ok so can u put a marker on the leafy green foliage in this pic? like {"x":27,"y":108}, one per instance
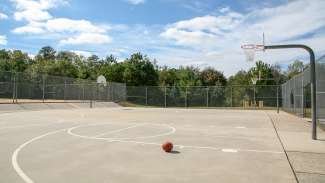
{"x":137,"y":70}
{"x":295,"y":68}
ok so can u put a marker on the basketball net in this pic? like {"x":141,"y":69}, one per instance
{"x":250,"y":49}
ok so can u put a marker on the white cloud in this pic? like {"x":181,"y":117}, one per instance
{"x":183,"y":37}
{"x":69,"y":31}
{"x":3,"y":16}
{"x":82,"y":53}
{"x":136,"y":2}
{"x":32,"y":15}
{"x":3,"y":40}
{"x":69,"y":25}
{"x":31,"y":28}
{"x":30,"y":10}
{"x":216,"y":40}
{"x":204,"y":31}
{"x":87,"y":38}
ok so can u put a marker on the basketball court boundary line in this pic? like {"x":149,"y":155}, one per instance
{"x":69,"y":131}
{"x":14,"y":157}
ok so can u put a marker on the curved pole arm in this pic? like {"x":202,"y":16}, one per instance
{"x":312,"y":80}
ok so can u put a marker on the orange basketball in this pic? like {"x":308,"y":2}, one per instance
{"x":167,"y":146}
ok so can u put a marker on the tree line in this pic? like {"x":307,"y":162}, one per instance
{"x":137,"y":70}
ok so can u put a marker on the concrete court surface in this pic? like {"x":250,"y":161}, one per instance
{"x":123,"y":145}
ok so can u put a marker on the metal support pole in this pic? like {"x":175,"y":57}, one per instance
{"x":146,"y":95}
{"x":14,"y":89}
{"x":277,"y":99}
{"x":65,"y":90}
{"x":83,"y":91}
{"x":207,"y":96}
{"x":165,"y":96}
{"x":43,"y":89}
{"x":16,"y":93}
{"x":231,"y":96}
{"x":91,"y":97}
{"x":186,"y":105}
{"x":302,"y":98}
{"x":254,"y":97}
{"x":294,"y":95}
{"x":312,"y":81}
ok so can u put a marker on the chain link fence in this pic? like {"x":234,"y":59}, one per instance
{"x":28,"y":88}
{"x":257,"y":97}
{"x":296,"y":92}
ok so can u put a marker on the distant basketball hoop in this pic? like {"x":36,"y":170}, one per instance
{"x":250,"y":50}
{"x":102,"y":80}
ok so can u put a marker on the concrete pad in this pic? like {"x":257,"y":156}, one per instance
{"x":34,"y":106}
{"x":59,"y":106}
{"x":10,"y":107}
{"x":308,"y":162}
{"x":307,"y":156}
{"x":117,"y":145}
{"x":310,"y":178}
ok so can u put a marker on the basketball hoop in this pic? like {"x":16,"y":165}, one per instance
{"x":254,"y":80}
{"x":101,"y":80}
{"x":250,"y":49}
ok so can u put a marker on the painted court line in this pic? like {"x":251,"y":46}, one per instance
{"x":172,"y":130}
{"x":14,"y":157}
{"x":119,"y":130}
{"x":69,"y":131}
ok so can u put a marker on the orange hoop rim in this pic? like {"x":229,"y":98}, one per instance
{"x":255,"y":47}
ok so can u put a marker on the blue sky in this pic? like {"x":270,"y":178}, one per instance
{"x":174,"y":32}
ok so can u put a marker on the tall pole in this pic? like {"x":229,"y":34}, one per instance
{"x":65,"y":89}
{"x":255,"y":96}
{"x":14,"y":88}
{"x":165,"y":96}
{"x":146,"y":95}
{"x":231,"y":96}
{"x":207,"y":96}
{"x":43,"y":88}
{"x":312,"y":80}
{"x":302,"y":98}
{"x":186,"y":105}
{"x":277,"y":98}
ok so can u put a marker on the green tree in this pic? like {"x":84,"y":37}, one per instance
{"x":46,"y":53}
{"x":139,"y":70}
{"x":212,"y":77}
{"x":168,"y":77}
{"x":5,"y":60}
{"x":295,"y":68}
{"x":262,"y":71}
{"x":19,"y":60}
{"x":189,"y":76}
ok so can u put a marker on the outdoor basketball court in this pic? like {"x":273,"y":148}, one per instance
{"x":124,"y":145}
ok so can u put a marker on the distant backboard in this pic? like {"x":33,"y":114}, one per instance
{"x":101,"y":80}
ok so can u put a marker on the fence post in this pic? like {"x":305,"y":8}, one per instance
{"x":65,"y":89}
{"x":165,"y":96}
{"x":83,"y":91}
{"x":43,"y":88}
{"x":146,"y":95}
{"x":255,"y":96}
{"x":186,"y":105}
{"x":231,"y":96}
{"x":302,"y":97}
{"x":277,"y":99}
{"x":14,"y":88}
{"x":91,"y":97}
{"x":207,"y":96}
{"x":294,"y":95}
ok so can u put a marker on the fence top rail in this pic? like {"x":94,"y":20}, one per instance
{"x":205,"y":86}
{"x":39,"y":77}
